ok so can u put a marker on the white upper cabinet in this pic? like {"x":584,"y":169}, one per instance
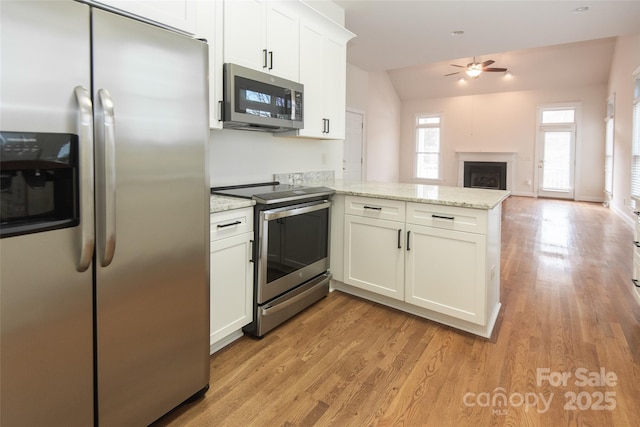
{"x":177,"y":14}
{"x":209,"y":27}
{"x":263,"y":35}
{"x":323,"y":52}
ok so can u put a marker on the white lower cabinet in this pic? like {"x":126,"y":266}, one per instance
{"x":445,"y":272}
{"x":440,"y":262}
{"x":374,"y":257}
{"x":231,"y":277}
{"x":635,"y":279}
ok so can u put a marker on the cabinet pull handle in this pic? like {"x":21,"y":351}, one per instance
{"x":635,"y":283}
{"x":408,"y":241}
{"x":220,"y":111}
{"x":264,"y":51}
{"x":251,"y":252}
{"x":635,"y":242}
{"x":399,"y":233}
{"x":450,"y":218}
{"x":373,"y":208}
{"x":229,"y":224}
{"x":328,"y":126}
{"x":271,"y":60}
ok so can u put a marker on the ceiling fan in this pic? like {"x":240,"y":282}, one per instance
{"x":475,"y":68}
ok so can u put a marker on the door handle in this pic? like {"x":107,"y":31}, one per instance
{"x":108,"y":157}
{"x":85,"y":137}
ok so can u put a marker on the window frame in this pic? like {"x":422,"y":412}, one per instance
{"x":634,"y":189}
{"x":419,"y":126}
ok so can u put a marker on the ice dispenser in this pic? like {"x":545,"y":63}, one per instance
{"x":38,"y":182}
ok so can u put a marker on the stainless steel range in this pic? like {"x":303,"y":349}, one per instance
{"x":291,"y":249}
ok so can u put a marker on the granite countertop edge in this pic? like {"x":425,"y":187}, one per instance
{"x":218,"y":203}
{"x":473,"y":198}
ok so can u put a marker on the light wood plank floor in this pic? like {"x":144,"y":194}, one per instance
{"x":567,"y":307}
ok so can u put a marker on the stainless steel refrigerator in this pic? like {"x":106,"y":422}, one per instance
{"x":104,"y":306}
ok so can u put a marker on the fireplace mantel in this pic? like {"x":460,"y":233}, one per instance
{"x":487,"y":156}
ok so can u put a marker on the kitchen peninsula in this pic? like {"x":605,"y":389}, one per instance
{"x":432,"y":251}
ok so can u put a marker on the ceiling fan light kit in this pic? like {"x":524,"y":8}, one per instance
{"x":475,"y":68}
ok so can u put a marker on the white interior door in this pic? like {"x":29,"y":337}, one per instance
{"x":354,"y":139}
{"x":556,"y":162}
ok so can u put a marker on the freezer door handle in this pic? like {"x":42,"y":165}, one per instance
{"x":109,"y":168}
{"x":85,"y":136}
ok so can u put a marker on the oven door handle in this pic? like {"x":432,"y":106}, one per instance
{"x":295,"y":210}
{"x":294,"y":299}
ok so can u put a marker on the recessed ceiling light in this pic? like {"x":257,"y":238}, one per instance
{"x":457,"y":33}
{"x":581,"y":9}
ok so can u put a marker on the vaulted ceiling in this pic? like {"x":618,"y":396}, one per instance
{"x":545,"y":44}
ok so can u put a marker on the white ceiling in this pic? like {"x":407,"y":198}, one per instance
{"x":544,"y":43}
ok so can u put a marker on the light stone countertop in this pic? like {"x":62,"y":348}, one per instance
{"x":218,"y":203}
{"x":475,"y":198}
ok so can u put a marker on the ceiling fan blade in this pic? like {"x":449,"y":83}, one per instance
{"x":451,"y":74}
{"x":494,"y":69}
{"x":487,"y":62}
{"x":461,"y":66}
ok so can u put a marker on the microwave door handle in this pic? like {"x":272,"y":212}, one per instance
{"x":109,"y":159}
{"x":85,"y":137}
{"x":293,"y":105}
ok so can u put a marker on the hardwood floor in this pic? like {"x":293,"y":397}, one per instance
{"x":567,"y":308}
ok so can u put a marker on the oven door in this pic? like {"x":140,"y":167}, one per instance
{"x":294,"y":247}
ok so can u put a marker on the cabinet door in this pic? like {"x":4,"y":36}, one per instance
{"x":335,"y":76}
{"x":374,"y":255}
{"x":445,"y":272}
{"x":231,"y":286}
{"x":311,"y":76}
{"x":178,"y":14}
{"x":244,"y":33}
{"x":283,"y":41}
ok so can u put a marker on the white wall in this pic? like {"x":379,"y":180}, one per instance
{"x":357,"y":88}
{"x":382,"y":142}
{"x":506,"y":121}
{"x":238,"y":157}
{"x":626,"y":60}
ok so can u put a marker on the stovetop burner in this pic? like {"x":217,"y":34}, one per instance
{"x":273,"y":192}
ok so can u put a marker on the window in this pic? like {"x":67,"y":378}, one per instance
{"x":428,"y":144}
{"x":635,"y":140}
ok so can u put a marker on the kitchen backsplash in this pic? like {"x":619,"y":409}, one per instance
{"x":302,"y":177}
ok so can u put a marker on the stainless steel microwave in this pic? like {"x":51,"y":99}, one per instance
{"x":253,"y":100}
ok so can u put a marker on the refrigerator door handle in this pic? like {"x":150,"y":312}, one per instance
{"x":85,"y":136}
{"x":109,"y":158}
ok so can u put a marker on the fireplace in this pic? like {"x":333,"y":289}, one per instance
{"x":492,"y":175}
{"x":506,"y":160}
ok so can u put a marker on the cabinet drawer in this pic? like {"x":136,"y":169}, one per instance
{"x":392,"y":210}
{"x":231,"y":223}
{"x":448,"y":217}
